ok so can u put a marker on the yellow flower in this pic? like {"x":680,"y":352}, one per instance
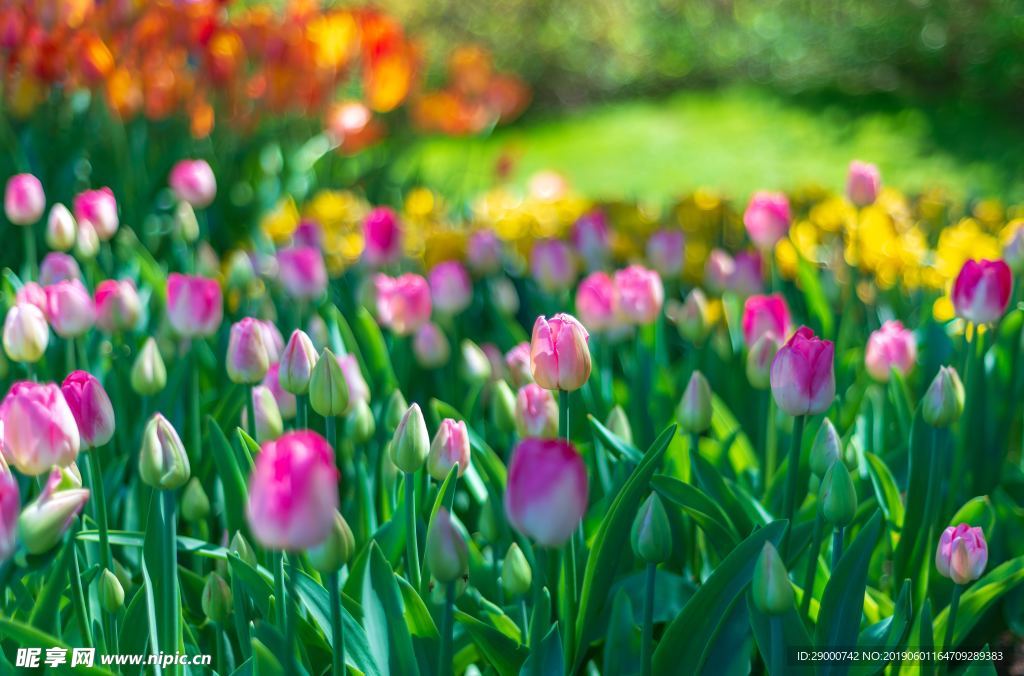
{"x":281,"y":221}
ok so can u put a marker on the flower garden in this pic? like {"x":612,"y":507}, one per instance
{"x":263,"y":407}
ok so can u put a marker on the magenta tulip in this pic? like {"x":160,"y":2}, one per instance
{"x":69,"y":308}
{"x":99,"y":209}
{"x":193,"y":181}
{"x":286,"y":402}
{"x":24,"y":200}
{"x":118,"y":307}
{"x":56,"y":267}
{"x":863,"y":183}
{"x":767,"y":218}
{"x":765,"y":314}
{"x":451,"y":289}
{"x":10,"y":504}
{"x":302,"y":272}
{"x":962,"y":553}
{"x":553,"y":265}
{"x":39,"y":428}
{"x":546,"y":494}
{"x":802,"y":379}
{"x":247,"y":358}
{"x":595,"y":302}
{"x":449,"y":448}
{"x":536,"y":412}
{"x":665,"y":252}
{"x":382,"y":236}
{"x":748,"y":274}
{"x":403,"y":302}
{"x":308,"y":233}
{"x":559,"y":353}
{"x":890,"y":347}
{"x":195,"y":305}
{"x":640,"y":294}
{"x":981,"y":292}
{"x":91,"y":408}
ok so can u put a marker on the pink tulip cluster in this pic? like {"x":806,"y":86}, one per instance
{"x":633,"y":296}
{"x":962,"y":553}
{"x":742,"y":275}
{"x":403,"y":302}
{"x":665,"y":252}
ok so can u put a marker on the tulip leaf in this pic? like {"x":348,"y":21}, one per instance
{"x":29,"y":636}
{"x":417,"y":616}
{"x":375,"y":351}
{"x":389,"y":640}
{"x":977,"y":512}
{"x":886,"y":635}
{"x":978,"y":598}
{"x":614,"y":442}
{"x":265,"y":663}
{"x":689,"y":638}
{"x":236,"y":495}
{"x":886,"y":490}
{"x":45,"y":613}
{"x":705,"y":512}
{"x":504,"y":654}
{"x":794,"y":636}
{"x":814,"y":294}
{"x":622,"y":644}
{"x":712,"y":483}
{"x":922,"y":639}
{"x":728,"y":430}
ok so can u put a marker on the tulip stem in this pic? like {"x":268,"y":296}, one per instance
{"x":778,"y":647}
{"x":812,"y":565}
{"x":279,"y":588}
{"x":444,"y":656}
{"x":250,"y":410}
{"x":837,"y":547}
{"x":412,"y":550}
{"x":563,"y":414}
{"x":771,"y":446}
{"x":647,"y":639}
{"x":169,"y":573}
{"x":337,"y":627}
{"x":537,"y":628}
{"x":30,"y":253}
{"x":197,"y":434}
{"x":100,"y":504}
{"x":78,"y":594}
{"x":954,"y":605}
{"x":300,"y":411}
{"x":792,"y":476}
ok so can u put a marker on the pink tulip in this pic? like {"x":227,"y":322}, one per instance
{"x":195,"y":305}
{"x":802,"y":379}
{"x":1013,"y":249}
{"x":286,"y":402}
{"x":69,"y":308}
{"x":546,"y":494}
{"x":272,"y":339}
{"x":308,"y":234}
{"x":382,"y":235}
{"x":403,"y":302}
{"x":589,"y":235}
{"x":91,"y":408}
{"x":358,"y":390}
{"x":496,"y":359}
{"x":863,"y":183}
{"x":536,"y":412}
{"x":553,"y":265}
{"x":665,"y":252}
{"x":117,"y":305}
{"x":890,"y":347}
{"x":247,"y":358}
{"x":595,"y":302}
{"x":767,"y":218}
{"x":302,"y":272}
{"x":962,"y":553}
{"x":430,"y":346}
{"x":39,"y":428}
{"x":559,"y":353}
{"x":719,"y":270}
{"x":99,"y":208}
{"x":982,"y":291}
{"x":56,"y":267}
{"x":193,"y":181}
{"x":484,"y":252}
{"x":293,"y":492}
{"x":24,"y":200}
{"x":26,"y":334}
{"x":640,"y":294}
{"x":748,"y":274}
{"x":517,"y":363}
{"x":32,"y":294}
{"x":10,"y":504}
{"x":451,"y":289}
{"x":765,"y":314}
{"x":450,"y":447}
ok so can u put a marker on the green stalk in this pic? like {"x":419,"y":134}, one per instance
{"x":837,"y":546}
{"x":195,"y":427}
{"x":250,"y":411}
{"x":337,"y":627}
{"x":947,"y":643}
{"x":444,"y":656}
{"x":78,"y":595}
{"x":563,"y":414}
{"x":812,"y":565}
{"x":99,"y":502}
{"x":279,"y":592}
{"x":771,"y":447}
{"x":537,"y":627}
{"x":778,"y":647}
{"x":647,"y":639}
{"x":412,"y":548}
{"x":291,"y":619}
{"x":792,"y":476}
{"x":171,"y":621}
{"x":301,"y":412}
{"x":31,"y":266}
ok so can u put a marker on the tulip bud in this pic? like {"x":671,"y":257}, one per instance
{"x":26,"y":333}
{"x":117,"y":305}
{"x":692,"y":317}
{"x":60,"y":228}
{"x":838,"y":495}
{"x":240,"y":546}
{"x":826,"y":450}
{"x":451,"y":289}
{"x":87,"y":241}
{"x":359,"y":424}
{"x":10,"y":503}
{"x":446,"y":552}
{"x":331,"y":555}
{"x":91,"y":407}
{"x":618,"y":424}
{"x":43,"y":522}
{"x":111,"y":592}
{"x":297,"y":363}
{"x":962,"y":553}
{"x":759,"y":361}
{"x":99,"y":209}
{"x":269,"y":425}
{"x":216,"y":599}
{"x":163,"y":462}
{"x":516,"y":575}
{"x":503,"y":407}
{"x":395,"y":411}
{"x":559,"y":353}
{"x":862,"y":183}
{"x":185,"y":222}
{"x":536,"y":412}
{"x":475,"y":367}
{"x":195,"y":506}
{"x":449,"y":448}
{"x":694,"y":411}
{"x":890,"y":347}
{"x":149,"y":375}
{"x":517,"y":362}
{"x":193,"y":181}
{"x":652,"y":535}
{"x":771,"y":589}
{"x":411,"y":442}
{"x":547,"y":490}
{"x":802,"y":376}
{"x":24,"y":200}
{"x":39,"y":429}
{"x":943,"y":403}
{"x":767,"y":218}
{"x":328,"y":391}
{"x":504,"y":296}
{"x":430,"y":346}
{"x":247,"y":357}
{"x":982,"y":290}
{"x":640,"y":294}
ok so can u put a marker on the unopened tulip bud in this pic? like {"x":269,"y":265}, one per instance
{"x":60,"y":228}
{"x":247,"y":357}
{"x":216,"y":599}
{"x":111,"y":592}
{"x":24,"y":199}
{"x":862,"y":183}
{"x":269,"y":425}
{"x":651,"y":536}
{"x":759,"y":361}
{"x":503,"y":407}
{"x":943,"y":403}
{"x":336,"y":550}
{"x":771,"y":589}
{"x":185,"y":222}
{"x":475,"y":367}
{"x":117,"y":305}
{"x":195,"y":506}
{"x":838,"y":496}
{"x":504,"y":296}
{"x":827,"y":448}
{"x":547,"y":490}
{"x":87,"y":241}
{"x":163,"y":462}
{"x":43,"y":522}
{"x":26,"y":333}
{"x":692,"y":317}
{"x":359,"y":424}
{"x":962,"y":553}
{"x":536,"y":412}
{"x":149,"y":374}
{"x":694,"y":411}
{"x":430,"y":346}
{"x":618,"y":424}
{"x":328,"y":391}
{"x":410,"y":444}
{"x":516,"y":574}
{"x":395,"y":411}
{"x":240,"y":546}
{"x":559,"y":353}
{"x":802,"y":376}
{"x":449,"y":448}
{"x":91,"y":407}
{"x":446,"y":553}
{"x":297,"y":363}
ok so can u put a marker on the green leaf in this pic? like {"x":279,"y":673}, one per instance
{"x":388,"y":638}
{"x":978,"y":598}
{"x":236,"y":495}
{"x":504,"y":654}
{"x":705,"y":512}
{"x":888,"y":634}
{"x":817,"y":303}
{"x":794,"y":635}
{"x":711,"y":481}
{"x":923,"y":641}
{"x":265,"y":663}
{"x":417,"y":616}
{"x":28,"y":636}
{"x":687,"y":640}
{"x":614,"y":442}
{"x":45,"y":611}
{"x":374,"y":350}
{"x":622,"y":644}
{"x":979,"y":512}
{"x":727,"y":429}
{"x":186,"y":545}
{"x":912,"y":558}
{"x":886,"y":490}
{"x":981,"y":667}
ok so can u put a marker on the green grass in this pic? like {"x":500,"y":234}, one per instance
{"x":735,"y":140}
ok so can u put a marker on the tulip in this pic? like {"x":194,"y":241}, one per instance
{"x":516,"y":576}
{"x":337,"y":550}
{"x":60,"y":228}
{"x":589,"y":235}
{"x":943,"y":403}
{"x":163,"y":463}
{"x":44,"y":521}
{"x":286,"y":403}
{"x":32,"y":294}
{"x":474,"y":366}
{"x":982,"y":291}
{"x":503,"y":407}
{"x":694,"y":411}
{"x":692,"y":318}
{"x":765,"y":314}
{"x":241,"y":547}
{"x":618,"y":424}
{"x":536,"y":412}
{"x":25,"y":333}
{"x":90,"y":407}
{"x":193,"y":181}
{"x":111,"y":592}
{"x":640,"y":294}
{"x":517,"y":362}
{"x":87,"y":241}
{"x":446,"y":553}
{"x":802,"y":379}
{"x":269,"y":425}
{"x":504,"y":296}
{"x":99,"y":209}
{"x":293,"y":494}
{"x":216,"y":599}
{"x":451,"y":289}
{"x":247,"y":358}
{"x":69,"y":308}
{"x":360,"y":425}
{"x":770,"y":588}
{"x":118,"y":307}
{"x":328,"y":391}
{"x":559,"y":354}
{"x":273,"y":341}
{"x":596,"y":302}
{"x":838,"y":495}
{"x":430,"y":346}
{"x":759,"y":360}
{"x":546,"y":493}
{"x":665,"y":252}
{"x":651,"y":536}
{"x":302,"y":272}
{"x":382,"y":236}
{"x":297,"y":362}
{"x":39,"y":429}
{"x":195,"y":305}
{"x":962,"y":553}
{"x":403,"y":303}
{"x":1013,"y":249}
{"x":186,"y":225}
{"x":767,"y":218}
{"x":149,"y":374}
{"x":410,"y":443}
{"x":862,"y":183}
{"x":890,"y":347}
{"x":10,"y":503}
{"x":450,"y":448}
{"x":827,"y":448}
{"x":195,"y":504}
{"x":56,"y":267}
{"x":748,"y":274}
{"x":484,"y":252}
{"x":24,"y":200}
{"x":394,"y":411}
{"x":358,"y":390}
{"x":719,"y":271}
{"x":553,"y":265}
